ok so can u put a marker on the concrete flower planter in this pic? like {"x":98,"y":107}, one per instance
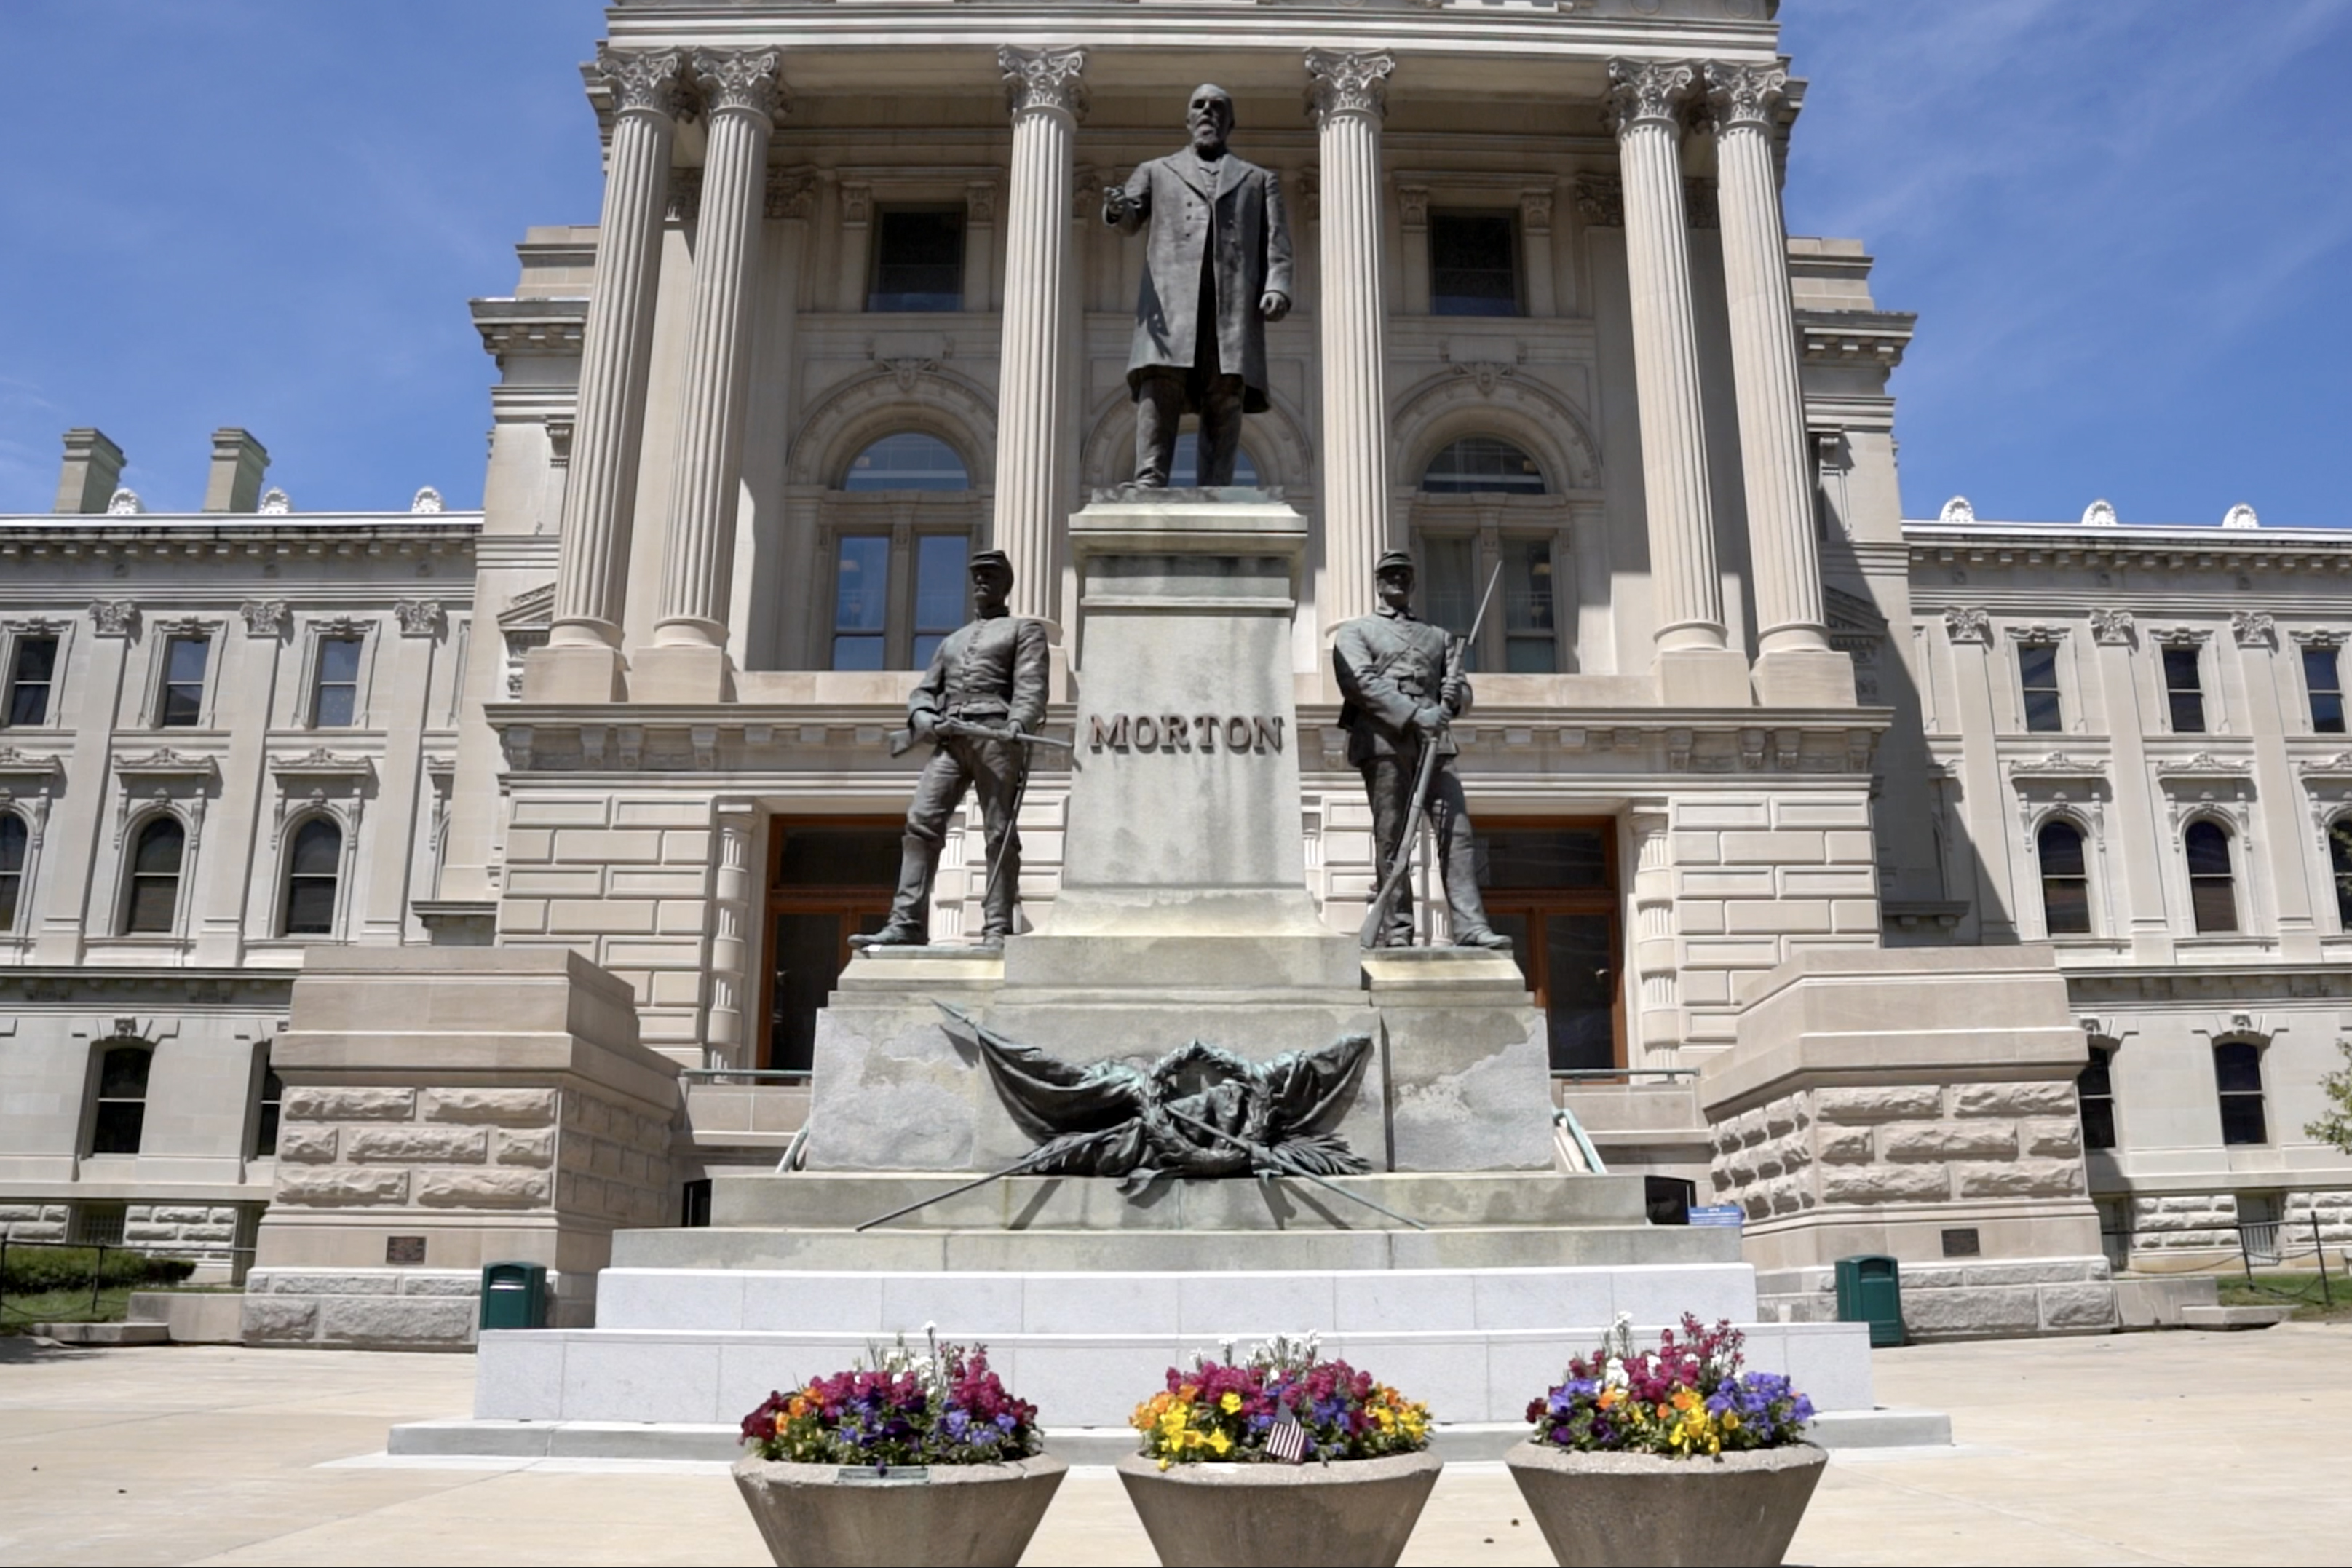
{"x":1349,"y":1511}
{"x":960,"y":1515}
{"x":1638,"y":1508}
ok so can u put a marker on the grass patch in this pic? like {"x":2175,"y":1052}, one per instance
{"x":2300,"y":1290}
{"x":18,"y":1314}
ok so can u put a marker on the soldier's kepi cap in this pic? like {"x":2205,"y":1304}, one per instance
{"x":1392,"y":561}
{"x":992,"y":561}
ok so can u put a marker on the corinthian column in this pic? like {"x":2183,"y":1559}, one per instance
{"x":1047,"y":95}
{"x":581,"y":660}
{"x":687,"y":662}
{"x":1695,"y":667}
{"x":1348,"y":96}
{"x":1795,"y":664}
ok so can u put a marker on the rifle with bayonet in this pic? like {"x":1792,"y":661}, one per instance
{"x":903,"y":741}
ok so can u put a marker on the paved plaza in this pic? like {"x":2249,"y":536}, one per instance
{"x":2176,"y":1448}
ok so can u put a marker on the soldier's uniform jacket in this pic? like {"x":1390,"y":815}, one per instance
{"x":989,"y":672}
{"x":1390,"y":667}
{"x":1231,"y":215}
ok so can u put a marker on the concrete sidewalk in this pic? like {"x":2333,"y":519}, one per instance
{"x":2178,"y":1448}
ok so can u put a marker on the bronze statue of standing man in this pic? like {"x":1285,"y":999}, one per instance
{"x":1402,"y":690}
{"x":1216,"y":269}
{"x":977,"y":706}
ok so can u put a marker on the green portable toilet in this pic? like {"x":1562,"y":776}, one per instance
{"x":514,"y":1295}
{"x":1870,"y":1291}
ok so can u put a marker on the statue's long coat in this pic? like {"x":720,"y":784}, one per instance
{"x":1242,"y":219}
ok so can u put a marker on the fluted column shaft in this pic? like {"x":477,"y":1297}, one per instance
{"x":1689,"y":590}
{"x":1348,"y":93}
{"x":599,"y":502}
{"x":739,"y":98}
{"x":1780,"y":531}
{"x":1047,"y":94}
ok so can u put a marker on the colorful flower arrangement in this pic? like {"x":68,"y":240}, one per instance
{"x":899,"y":1406}
{"x":1284,"y":1403}
{"x":1685,"y":1398}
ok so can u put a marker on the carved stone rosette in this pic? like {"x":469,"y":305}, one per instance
{"x":1043,"y":80}
{"x":263,"y":617}
{"x":1343,"y":83}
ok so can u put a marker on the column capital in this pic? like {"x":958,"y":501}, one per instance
{"x":1743,"y":97}
{"x":1341,"y":83}
{"x":1043,"y":80}
{"x":740,"y":81}
{"x":643,"y":81}
{"x":1647,"y":92}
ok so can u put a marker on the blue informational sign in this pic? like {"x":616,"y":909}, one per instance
{"x":1729,"y":1215}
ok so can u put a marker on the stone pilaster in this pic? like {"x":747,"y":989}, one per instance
{"x":1347,"y":94}
{"x":582,"y":661}
{"x":1795,"y":664}
{"x":1695,"y":665}
{"x":688,"y":662}
{"x":1047,"y":93}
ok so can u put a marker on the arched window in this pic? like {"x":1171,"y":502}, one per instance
{"x":1184,"y":469}
{"x":122,"y":1099}
{"x":153,"y":901}
{"x":2066,"y":880}
{"x":13,"y":840}
{"x":1482,"y":463}
{"x":2212,"y":888}
{"x":310,"y":873}
{"x":2339,"y":861}
{"x":909,"y":460}
{"x":2238,"y":1079}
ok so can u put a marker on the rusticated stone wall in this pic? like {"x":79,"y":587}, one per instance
{"x":1911,"y":1143}
{"x":444,"y":1109}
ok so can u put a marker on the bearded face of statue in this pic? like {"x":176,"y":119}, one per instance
{"x":1210,"y":118}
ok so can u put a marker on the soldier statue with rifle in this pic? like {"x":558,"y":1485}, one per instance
{"x":977,"y":706}
{"x":1403,"y":686}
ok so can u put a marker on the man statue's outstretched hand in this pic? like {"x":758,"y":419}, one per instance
{"x":1273,"y":305}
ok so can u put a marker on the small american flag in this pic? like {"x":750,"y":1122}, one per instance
{"x":1286,"y":1440}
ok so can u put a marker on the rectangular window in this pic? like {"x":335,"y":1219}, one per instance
{"x":265,"y":1121}
{"x":917,"y":260}
{"x":861,"y":602}
{"x":1531,"y":645}
{"x":2323,"y":677}
{"x":2184,"y":690}
{"x":334,"y":701}
{"x":2237,"y":1075}
{"x":941,"y":590}
{"x":101,"y":1225}
{"x":2095,"y":1090}
{"x":183,"y":681}
{"x":1474,"y":264}
{"x":2037,"y":674}
{"x":36,"y":672}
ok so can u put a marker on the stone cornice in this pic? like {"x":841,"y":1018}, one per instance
{"x":311,"y":535}
{"x":530,"y":326}
{"x":2177,"y":547}
{"x":164,"y":763}
{"x":1856,"y":337}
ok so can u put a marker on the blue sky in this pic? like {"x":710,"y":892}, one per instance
{"x":2128,"y":230}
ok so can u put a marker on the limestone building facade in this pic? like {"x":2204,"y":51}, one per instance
{"x":850,"y":313}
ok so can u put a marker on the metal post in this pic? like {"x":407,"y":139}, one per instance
{"x":2319,"y":1251}
{"x":2245,"y":1255}
{"x":97,"y":1273}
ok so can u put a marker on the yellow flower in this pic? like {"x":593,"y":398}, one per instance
{"x":1164,"y":1464}
{"x":1386,"y":1419}
{"x":1218,"y":1440}
{"x":1230,"y":1403}
{"x":1172,"y":1421}
{"x":1731,"y":1421}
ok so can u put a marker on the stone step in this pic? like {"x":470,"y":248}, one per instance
{"x":105,"y":1333}
{"x":2241,"y":1317}
{"x":825,"y":1200}
{"x":1087,"y":1251}
{"x":698,"y":1377}
{"x":988,"y":1305}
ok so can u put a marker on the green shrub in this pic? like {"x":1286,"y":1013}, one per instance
{"x":32,"y":1269}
